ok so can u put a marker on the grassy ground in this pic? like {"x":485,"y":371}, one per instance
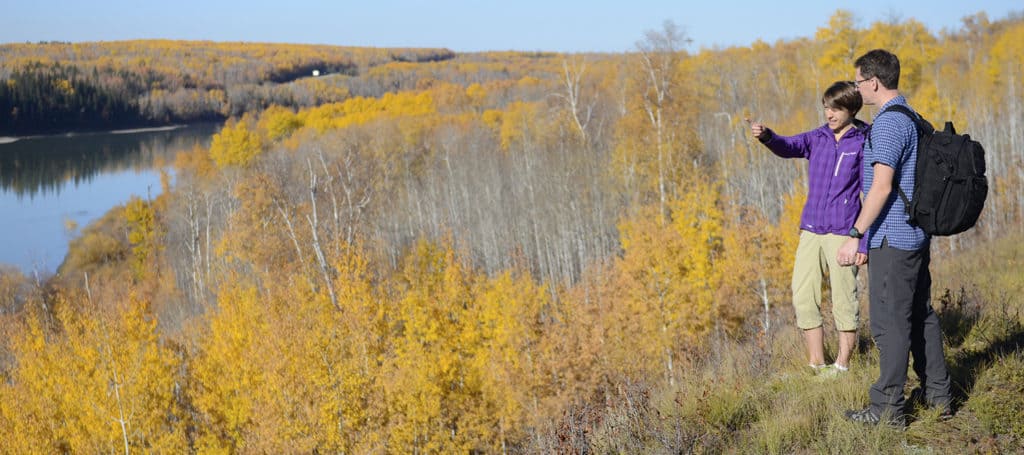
{"x":740,"y":399}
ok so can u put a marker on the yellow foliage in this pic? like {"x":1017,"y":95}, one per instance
{"x":517,"y":123}
{"x":359,"y":110}
{"x":317,"y":392}
{"x":840,"y":43}
{"x":916,"y":48}
{"x":421,"y":352}
{"x":477,"y":95}
{"x":278,"y":123}
{"x":225,"y":377}
{"x":424,"y":380}
{"x":1005,"y":69}
{"x":141,"y":220}
{"x":671,"y":275}
{"x":235,"y":145}
{"x":104,"y":383}
{"x":458,"y":378}
{"x":64,"y":86}
{"x":492,"y":118}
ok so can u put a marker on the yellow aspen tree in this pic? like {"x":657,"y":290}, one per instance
{"x":226,"y":374}
{"x":501,"y":340}
{"x":671,"y":275}
{"x":354,"y":409}
{"x":235,"y":145}
{"x":28,"y":403}
{"x":425,"y":377}
{"x":142,"y":235}
{"x":1005,"y":67}
{"x":517,"y":124}
{"x":839,"y":44}
{"x":277,"y":123}
{"x":697,"y":220}
{"x":105,"y":383}
{"x":318,"y":392}
{"x":757,"y":257}
{"x":655,"y":142}
{"x":916,"y":47}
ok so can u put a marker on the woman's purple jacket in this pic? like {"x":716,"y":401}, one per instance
{"x":833,"y":174}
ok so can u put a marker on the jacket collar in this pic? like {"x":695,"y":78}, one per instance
{"x":860,"y":128}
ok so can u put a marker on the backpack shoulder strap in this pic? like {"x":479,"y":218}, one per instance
{"x":923,"y":128}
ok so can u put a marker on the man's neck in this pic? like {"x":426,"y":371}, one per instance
{"x":886,"y":96}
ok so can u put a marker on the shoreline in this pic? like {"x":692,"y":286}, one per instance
{"x":146,"y":130}
{"x":12,"y":139}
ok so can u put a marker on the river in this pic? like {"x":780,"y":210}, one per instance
{"x":49,"y":183}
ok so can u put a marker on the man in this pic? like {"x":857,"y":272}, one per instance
{"x":902,"y":319}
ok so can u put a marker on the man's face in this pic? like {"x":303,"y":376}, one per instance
{"x":866,"y":87}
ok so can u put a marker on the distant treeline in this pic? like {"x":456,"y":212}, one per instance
{"x":53,"y":87}
{"x":55,"y":97}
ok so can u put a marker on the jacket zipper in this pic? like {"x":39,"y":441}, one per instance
{"x":828,"y":190}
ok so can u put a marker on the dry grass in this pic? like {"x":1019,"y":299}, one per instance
{"x":741,"y":399}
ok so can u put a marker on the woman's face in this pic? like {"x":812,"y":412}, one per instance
{"x":837,"y":118}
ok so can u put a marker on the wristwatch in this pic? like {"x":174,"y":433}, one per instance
{"x":855,"y":233}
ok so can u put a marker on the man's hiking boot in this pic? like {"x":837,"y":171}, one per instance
{"x":869,"y":417}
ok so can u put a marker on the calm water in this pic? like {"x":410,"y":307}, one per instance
{"x":47,"y":181}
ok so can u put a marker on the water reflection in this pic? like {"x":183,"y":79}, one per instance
{"x":47,"y":181}
{"x":44,"y":165}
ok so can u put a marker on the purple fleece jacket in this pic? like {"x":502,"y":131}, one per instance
{"x":834,"y":175}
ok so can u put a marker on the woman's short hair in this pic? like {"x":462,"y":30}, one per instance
{"x":843,"y":95}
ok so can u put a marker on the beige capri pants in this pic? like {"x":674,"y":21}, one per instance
{"x":815,"y":254}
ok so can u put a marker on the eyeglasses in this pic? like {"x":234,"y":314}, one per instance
{"x":856,"y":84}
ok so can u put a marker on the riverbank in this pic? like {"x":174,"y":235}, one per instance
{"x":12,"y":139}
{"x":147,"y":130}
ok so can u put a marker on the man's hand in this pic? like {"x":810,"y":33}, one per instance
{"x":757,"y":128}
{"x":848,"y":254}
{"x":861,"y":259}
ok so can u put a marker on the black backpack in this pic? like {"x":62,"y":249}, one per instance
{"x":949,"y":181}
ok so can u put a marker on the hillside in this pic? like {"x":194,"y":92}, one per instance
{"x":758,"y":396}
{"x":56,"y":87}
{"x":511,"y":252}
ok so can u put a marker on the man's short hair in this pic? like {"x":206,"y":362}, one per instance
{"x":843,"y":95}
{"x":882,"y":64}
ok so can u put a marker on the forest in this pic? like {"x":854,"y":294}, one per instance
{"x":57,"y":87}
{"x":500,"y":252}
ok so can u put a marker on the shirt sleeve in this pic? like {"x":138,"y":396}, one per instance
{"x":889,"y":139}
{"x":798,"y":146}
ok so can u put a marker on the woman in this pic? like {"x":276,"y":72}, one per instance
{"x":834,"y":152}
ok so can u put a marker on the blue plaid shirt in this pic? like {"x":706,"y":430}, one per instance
{"x":894,"y":143}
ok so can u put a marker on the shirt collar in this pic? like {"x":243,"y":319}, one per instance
{"x":898,"y":100}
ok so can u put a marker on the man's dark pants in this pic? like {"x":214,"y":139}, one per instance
{"x":903,"y":323}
